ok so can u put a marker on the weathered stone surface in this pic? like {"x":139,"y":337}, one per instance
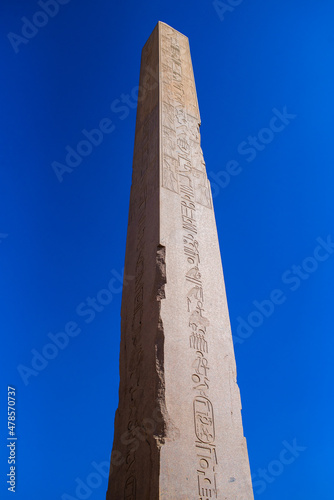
{"x":178,"y":428}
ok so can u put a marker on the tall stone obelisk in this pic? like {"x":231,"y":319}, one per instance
{"x":178,"y":428}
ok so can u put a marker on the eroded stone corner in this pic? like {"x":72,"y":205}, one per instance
{"x":165,"y":428}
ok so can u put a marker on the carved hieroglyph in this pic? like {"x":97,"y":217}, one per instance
{"x":178,"y":428}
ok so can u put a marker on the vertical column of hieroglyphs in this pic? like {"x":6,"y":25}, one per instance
{"x":217,"y":453}
{"x":131,"y":456}
{"x":184,"y":173}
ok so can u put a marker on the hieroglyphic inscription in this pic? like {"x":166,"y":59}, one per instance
{"x":170,"y":180}
{"x":198,"y":340}
{"x":130,"y":488}
{"x":181,"y":142}
{"x":180,"y":129}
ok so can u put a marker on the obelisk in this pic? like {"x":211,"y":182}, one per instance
{"x":178,"y":429}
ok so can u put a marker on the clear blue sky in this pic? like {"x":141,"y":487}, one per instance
{"x":61,"y":243}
